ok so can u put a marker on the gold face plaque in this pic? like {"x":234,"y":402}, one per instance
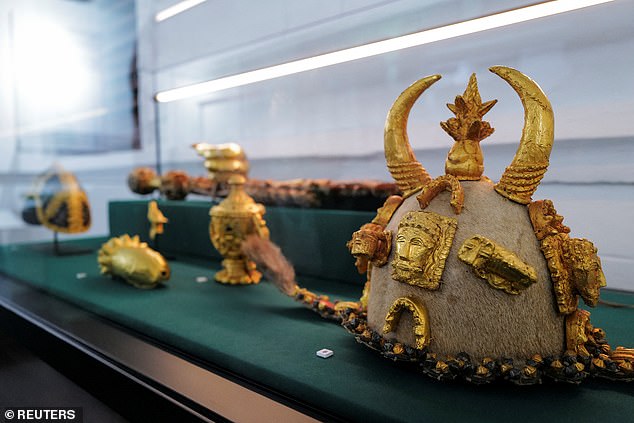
{"x":423,"y":242}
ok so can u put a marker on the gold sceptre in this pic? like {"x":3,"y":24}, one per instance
{"x":236,"y":217}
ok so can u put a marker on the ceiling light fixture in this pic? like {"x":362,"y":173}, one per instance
{"x":380,"y":47}
{"x":176,"y":9}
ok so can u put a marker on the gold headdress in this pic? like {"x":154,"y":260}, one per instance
{"x":492,"y":293}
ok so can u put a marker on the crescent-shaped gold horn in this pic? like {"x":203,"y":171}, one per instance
{"x":409,"y":174}
{"x":522,"y":177}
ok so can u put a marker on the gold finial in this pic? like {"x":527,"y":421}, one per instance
{"x":223,"y":160}
{"x":465,"y":158}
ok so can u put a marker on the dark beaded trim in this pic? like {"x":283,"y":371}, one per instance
{"x":320,"y":304}
{"x":569,"y":368}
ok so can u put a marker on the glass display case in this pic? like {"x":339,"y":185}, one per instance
{"x":98,"y":88}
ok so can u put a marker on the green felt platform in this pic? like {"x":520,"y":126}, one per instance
{"x":264,"y":336}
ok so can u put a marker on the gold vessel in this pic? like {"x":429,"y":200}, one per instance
{"x":236,"y":217}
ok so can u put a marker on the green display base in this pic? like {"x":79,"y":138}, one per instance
{"x":259,"y":334}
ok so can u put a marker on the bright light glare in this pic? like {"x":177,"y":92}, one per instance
{"x":51,"y":68}
{"x":54,"y":123}
{"x":176,"y":9}
{"x":379,"y":47}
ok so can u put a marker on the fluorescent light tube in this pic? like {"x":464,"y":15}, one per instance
{"x":176,"y":9}
{"x":380,"y":47}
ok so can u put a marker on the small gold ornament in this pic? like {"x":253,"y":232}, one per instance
{"x":545,"y":219}
{"x":422,"y":246}
{"x":133,"y":261}
{"x":500,"y":267}
{"x":585,"y":269}
{"x":419,"y":314}
{"x":232,"y":221}
{"x":372,"y":243}
{"x":443,"y":183}
{"x":622,"y":354}
{"x":578,"y":331}
{"x":157,"y":219}
{"x":575,"y":267}
{"x":465,"y":160}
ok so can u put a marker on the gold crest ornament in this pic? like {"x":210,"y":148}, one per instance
{"x":156,"y":218}
{"x":133,"y":261}
{"x":465,"y":160}
{"x":430,"y":305}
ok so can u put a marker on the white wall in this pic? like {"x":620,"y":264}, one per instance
{"x":583,"y":60}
